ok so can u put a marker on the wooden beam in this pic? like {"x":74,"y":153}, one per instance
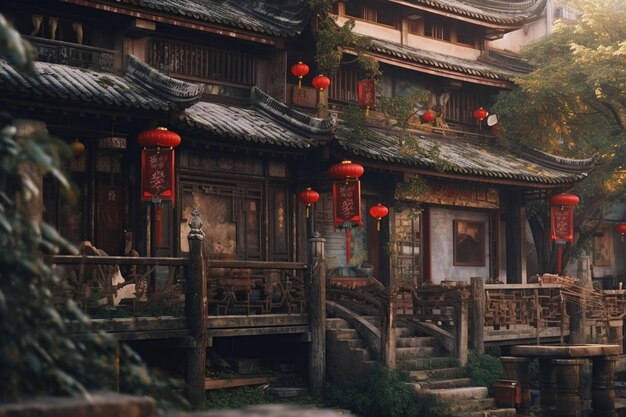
{"x":116,"y":260}
{"x":258,"y":331}
{"x":210,"y":383}
{"x":263,"y":320}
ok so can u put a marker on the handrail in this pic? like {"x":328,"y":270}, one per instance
{"x":227,"y":263}
{"x":116,"y":260}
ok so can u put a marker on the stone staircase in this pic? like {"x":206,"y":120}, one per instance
{"x":432,"y":372}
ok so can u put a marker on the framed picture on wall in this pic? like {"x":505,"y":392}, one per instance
{"x":602,"y":248}
{"x":469,"y":243}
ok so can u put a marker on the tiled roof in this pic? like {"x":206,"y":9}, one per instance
{"x":468,"y":156}
{"x":272,"y":17}
{"x":509,"y":12}
{"x":266,"y":122}
{"x":77,"y":86}
{"x":443,"y":62}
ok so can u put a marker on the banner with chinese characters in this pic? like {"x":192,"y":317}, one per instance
{"x":562,"y":224}
{"x":366,"y":91}
{"x":157,"y":175}
{"x":347,"y":203}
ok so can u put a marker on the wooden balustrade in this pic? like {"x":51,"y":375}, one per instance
{"x":73,"y":54}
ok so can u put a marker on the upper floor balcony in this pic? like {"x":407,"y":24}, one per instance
{"x":73,"y":54}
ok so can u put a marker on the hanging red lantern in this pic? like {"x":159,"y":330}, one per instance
{"x":562,"y":222}
{"x":378,"y":212}
{"x":429,"y":116}
{"x":320,"y":82}
{"x":308,"y":197}
{"x":78,"y":148}
{"x":157,"y":170}
{"x":480,"y":114}
{"x":621,"y":229}
{"x":159,"y":137}
{"x":345,"y":170}
{"x":299,"y":70}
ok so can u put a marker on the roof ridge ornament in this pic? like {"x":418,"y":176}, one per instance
{"x":181,"y":93}
{"x":563,"y":163}
{"x":281,"y":112}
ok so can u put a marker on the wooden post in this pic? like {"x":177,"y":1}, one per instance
{"x":478,"y":317}
{"x":197,"y":312}
{"x":461,"y":330}
{"x":388,"y":331}
{"x":317,"y":315}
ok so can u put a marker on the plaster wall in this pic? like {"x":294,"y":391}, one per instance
{"x":441,"y":245}
{"x":374,"y":30}
{"x":441,"y":47}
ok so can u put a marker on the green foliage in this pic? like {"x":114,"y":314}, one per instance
{"x":380,"y":393}
{"x":331,"y":37}
{"x":414,"y":189}
{"x":250,"y":396}
{"x":355,"y":124}
{"x":402,"y":108}
{"x":38,"y":355}
{"x":483,"y":368}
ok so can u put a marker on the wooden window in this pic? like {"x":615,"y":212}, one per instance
{"x":465,"y":34}
{"x":198,"y":61}
{"x":437,"y":28}
{"x":344,"y":85}
{"x":354,"y":8}
{"x":386,"y":16}
{"x":408,"y":239}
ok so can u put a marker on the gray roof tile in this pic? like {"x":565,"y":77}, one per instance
{"x":468,"y":157}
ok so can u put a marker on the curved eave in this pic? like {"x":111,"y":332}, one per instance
{"x":493,"y":19}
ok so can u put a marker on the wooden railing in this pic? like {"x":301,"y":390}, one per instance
{"x":115,"y":286}
{"x":252,"y":287}
{"x":73,"y":54}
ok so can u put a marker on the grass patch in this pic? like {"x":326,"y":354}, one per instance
{"x":484,"y":369}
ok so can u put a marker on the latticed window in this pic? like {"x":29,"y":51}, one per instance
{"x":199,"y":61}
{"x":344,"y":85}
{"x":408,"y":248}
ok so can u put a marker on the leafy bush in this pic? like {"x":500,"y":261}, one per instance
{"x":380,"y":393}
{"x":483,"y":368}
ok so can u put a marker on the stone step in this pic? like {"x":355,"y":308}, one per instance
{"x":415,"y":352}
{"x":416,"y":341}
{"x":435,"y":374}
{"x":469,"y":405}
{"x":337,"y":323}
{"x":343,"y":334}
{"x":456,"y":394}
{"x":404,"y":332}
{"x":446,"y":383}
{"x":498,"y":412}
{"x":417,"y":364}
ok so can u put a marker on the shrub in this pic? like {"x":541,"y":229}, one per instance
{"x":483,"y":368}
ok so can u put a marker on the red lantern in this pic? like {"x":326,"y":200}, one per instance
{"x":429,"y":116}
{"x":378,"y":212}
{"x":480,"y":114}
{"x":158,"y":138}
{"x":308,"y":197}
{"x":366,"y":94}
{"x":78,"y":148}
{"x":562,"y":222}
{"x":621,"y":229}
{"x":564,"y":200}
{"x":157,"y":170}
{"x":345,"y":170}
{"x":320,"y":82}
{"x":299,"y":70}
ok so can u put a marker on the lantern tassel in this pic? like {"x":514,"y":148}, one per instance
{"x":378,"y":225}
{"x":559,"y":258}
{"x":299,"y":83}
{"x":367,"y":111}
{"x":158,"y":223}
{"x":308,"y":210}
{"x":348,"y":244}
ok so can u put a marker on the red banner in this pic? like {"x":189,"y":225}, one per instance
{"x":562,"y":224}
{"x":347,"y":203}
{"x":366,"y":91}
{"x":157,"y":175}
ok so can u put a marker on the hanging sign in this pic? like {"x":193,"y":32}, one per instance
{"x":157,"y":175}
{"x":366,"y":92}
{"x":562,"y":225}
{"x":347,"y":203}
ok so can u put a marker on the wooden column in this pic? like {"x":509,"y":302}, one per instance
{"x":567,"y":402}
{"x":477,"y":329}
{"x":461,"y":324}
{"x":388,"y":331}
{"x":197,"y":312}
{"x":603,"y":386}
{"x":32,"y":208}
{"x":518,"y":369}
{"x":317,"y":314}
{"x":513,"y":239}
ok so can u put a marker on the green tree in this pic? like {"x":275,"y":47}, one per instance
{"x":37,"y":353}
{"x":574,"y":104}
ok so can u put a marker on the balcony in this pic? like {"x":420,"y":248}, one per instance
{"x":59,"y":52}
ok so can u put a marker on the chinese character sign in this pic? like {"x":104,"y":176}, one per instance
{"x":562,"y":224}
{"x":347,"y":203}
{"x":366,"y":90}
{"x":157,"y":175}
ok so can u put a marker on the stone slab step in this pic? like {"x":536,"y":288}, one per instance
{"x":435,"y":374}
{"x":418,"y":364}
{"x":415,"y":352}
{"x":498,"y":412}
{"x":346,"y":333}
{"x":416,"y":341}
{"x":447,"y":383}
{"x":337,"y":323}
{"x":456,"y":394}
{"x":470,"y":405}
